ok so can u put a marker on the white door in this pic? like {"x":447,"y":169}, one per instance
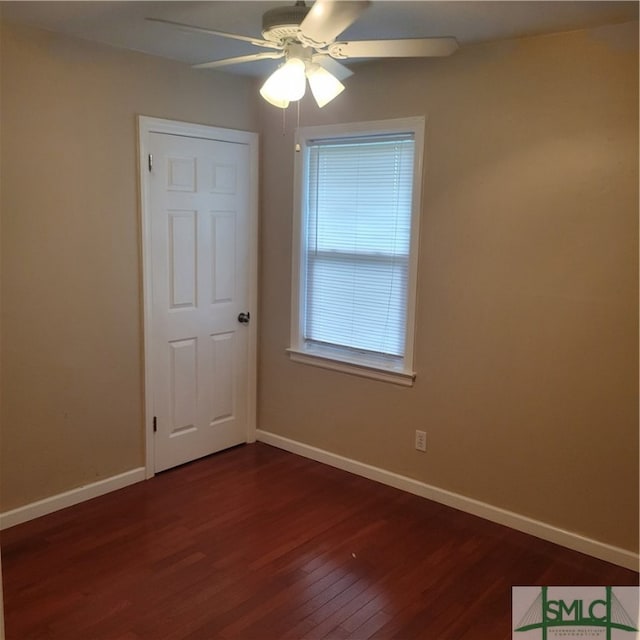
{"x":198,"y":210}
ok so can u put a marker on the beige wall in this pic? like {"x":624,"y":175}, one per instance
{"x":527,"y":339}
{"x":72,"y":332}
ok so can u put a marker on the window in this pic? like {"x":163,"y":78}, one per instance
{"x":355,"y":247}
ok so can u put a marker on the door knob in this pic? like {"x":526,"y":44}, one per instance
{"x":243,"y":318}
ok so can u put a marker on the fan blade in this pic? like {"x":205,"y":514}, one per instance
{"x":234,"y":36}
{"x":333,"y":66}
{"x":327,"y":19}
{"x":267,"y":55}
{"x":410,"y":48}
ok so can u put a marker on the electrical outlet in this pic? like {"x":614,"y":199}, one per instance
{"x":421,"y":440}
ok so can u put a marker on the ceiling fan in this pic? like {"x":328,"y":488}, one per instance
{"x":306,"y":38}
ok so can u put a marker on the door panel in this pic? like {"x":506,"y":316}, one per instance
{"x":182,"y":263}
{"x":222,"y":367}
{"x":184,"y":384}
{"x":199,"y":208}
{"x":223,"y":240}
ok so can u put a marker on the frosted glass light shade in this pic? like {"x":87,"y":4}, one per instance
{"x":275,"y":101}
{"x":324,"y":85}
{"x":286,"y":84}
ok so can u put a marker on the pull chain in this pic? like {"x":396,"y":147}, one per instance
{"x":297,"y":147}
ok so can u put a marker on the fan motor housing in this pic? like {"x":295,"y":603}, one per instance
{"x":283,"y":22}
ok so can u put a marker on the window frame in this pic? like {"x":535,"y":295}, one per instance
{"x":345,"y":359}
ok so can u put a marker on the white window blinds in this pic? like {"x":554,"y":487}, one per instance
{"x":357,"y":242}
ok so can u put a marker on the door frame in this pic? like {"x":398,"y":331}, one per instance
{"x":146,"y":126}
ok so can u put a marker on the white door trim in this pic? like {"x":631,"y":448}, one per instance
{"x":147,"y":126}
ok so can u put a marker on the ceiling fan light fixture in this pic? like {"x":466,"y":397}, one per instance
{"x":275,"y":101}
{"x":306,"y":38}
{"x":324,"y":85}
{"x":286,"y":84}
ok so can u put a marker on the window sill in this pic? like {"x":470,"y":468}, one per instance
{"x":344,"y":364}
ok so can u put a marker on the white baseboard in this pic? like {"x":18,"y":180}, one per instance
{"x":69,"y":498}
{"x":542,"y":530}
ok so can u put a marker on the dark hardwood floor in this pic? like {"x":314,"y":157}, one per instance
{"x":259,"y":543}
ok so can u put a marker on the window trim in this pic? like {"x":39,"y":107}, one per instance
{"x":337,"y":358}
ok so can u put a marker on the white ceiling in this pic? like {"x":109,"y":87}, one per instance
{"x":122,"y":24}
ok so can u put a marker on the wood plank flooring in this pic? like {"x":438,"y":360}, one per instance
{"x":258,"y":543}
